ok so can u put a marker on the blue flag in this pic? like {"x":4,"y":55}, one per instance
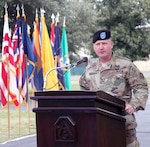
{"x":38,"y":73}
{"x":28,"y":50}
{"x":57,"y":46}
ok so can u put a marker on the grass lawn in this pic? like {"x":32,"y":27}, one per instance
{"x":18,"y":127}
{"x":23,"y":126}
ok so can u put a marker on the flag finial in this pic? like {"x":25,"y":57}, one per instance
{"x":22,"y":8}
{"x":42,"y":12}
{"x":57,"y":17}
{"x":6,"y":6}
{"x":53,"y":17}
{"x":17,"y":8}
{"x":64,"y":22}
{"x":36,"y":13}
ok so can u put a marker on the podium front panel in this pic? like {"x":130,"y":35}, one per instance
{"x":73,"y":120}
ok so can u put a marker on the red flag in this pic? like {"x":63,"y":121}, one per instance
{"x":5,"y":61}
{"x":52,"y":36}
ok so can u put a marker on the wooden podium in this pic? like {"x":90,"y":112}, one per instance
{"x":79,"y":119}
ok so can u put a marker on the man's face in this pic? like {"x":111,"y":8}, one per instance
{"x":103,"y":49}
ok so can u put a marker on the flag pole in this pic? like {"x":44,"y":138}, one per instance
{"x":8,"y":112}
{"x":57,"y":58}
{"x":8,"y":103}
{"x":34,"y":89}
{"x":18,"y":15}
{"x":28,"y":102}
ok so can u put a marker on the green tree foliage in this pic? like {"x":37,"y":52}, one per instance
{"x":80,"y":18}
{"x":84,"y":17}
{"x":122,"y":17}
{"x":12,"y":4}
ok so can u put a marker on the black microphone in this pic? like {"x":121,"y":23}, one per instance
{"x":84,"y":59}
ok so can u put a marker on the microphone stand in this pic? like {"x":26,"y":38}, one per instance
{"x":64,"y":66}
{"x":55,"y":68}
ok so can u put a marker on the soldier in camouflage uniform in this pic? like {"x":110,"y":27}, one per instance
{"x":119,"y":77}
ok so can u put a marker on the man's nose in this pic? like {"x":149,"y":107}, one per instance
{"x":101,"y":46}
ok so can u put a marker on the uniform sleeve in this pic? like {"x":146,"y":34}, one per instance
{"x":83,"y":82}
{"x":139,"y":88}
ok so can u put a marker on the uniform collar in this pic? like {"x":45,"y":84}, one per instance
{"x":109,"y":65}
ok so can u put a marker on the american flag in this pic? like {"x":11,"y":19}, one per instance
{"x":4,"y":67}
{"x":8,"y":86}
{"x":20,"y":62}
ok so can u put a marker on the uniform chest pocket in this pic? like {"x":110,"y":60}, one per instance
{"x":119,"y":81}
{"x":93,"y":79}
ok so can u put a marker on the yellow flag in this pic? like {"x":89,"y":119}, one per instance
{"x":51,"y":81}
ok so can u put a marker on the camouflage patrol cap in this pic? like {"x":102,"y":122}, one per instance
{"x":101,"y":35}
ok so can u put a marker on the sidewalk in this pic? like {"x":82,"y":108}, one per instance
{"x":27,"y":141}
{"x":143,"y":129}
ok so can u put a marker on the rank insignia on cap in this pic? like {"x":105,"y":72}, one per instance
{"x":101,"y":35}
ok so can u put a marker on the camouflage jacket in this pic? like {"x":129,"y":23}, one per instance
{"x":120,"y":78}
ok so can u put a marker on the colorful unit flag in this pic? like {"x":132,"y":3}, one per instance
{"x":51,"y":81}
{"x":28,"y":50}
{"x":20,"y":62}
{"x":58,"y":54}
{"x":38,"y":72}
{"x":64,"y":47}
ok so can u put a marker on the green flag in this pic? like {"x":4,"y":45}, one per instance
{"x":65,"y":56}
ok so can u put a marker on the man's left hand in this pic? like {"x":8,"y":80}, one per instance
{"x":129,"y":109}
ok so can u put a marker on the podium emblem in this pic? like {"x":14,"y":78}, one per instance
{"x":65,"y":129}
